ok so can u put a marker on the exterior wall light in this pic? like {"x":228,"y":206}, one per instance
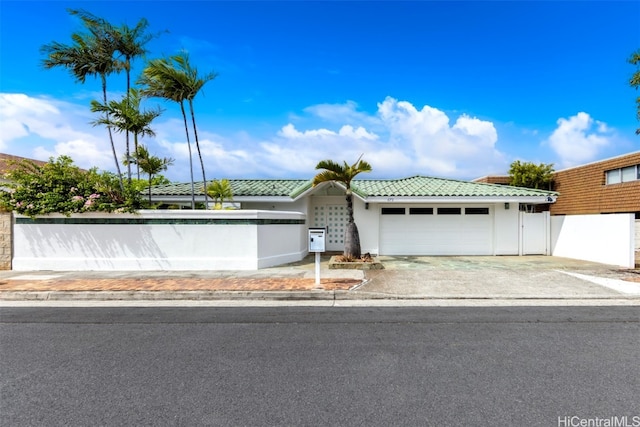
{"x":506,"y":206}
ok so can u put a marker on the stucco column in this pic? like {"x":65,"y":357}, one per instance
{"x":6,"y":228}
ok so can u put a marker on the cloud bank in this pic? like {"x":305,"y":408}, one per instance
{"x":399,"y":139}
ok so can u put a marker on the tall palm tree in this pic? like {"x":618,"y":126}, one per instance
{"x":175,"y":79}
{"x":161,"y":80}
{"x":151,"y":165}
{"x":194,"y":83}
{"x":125,"y":116}
{"x":344,"y":174}
{"x":89,"y":54}
{"x":128,"y":42}
{"x":220,"y":190}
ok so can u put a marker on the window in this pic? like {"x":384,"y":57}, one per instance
{"x":629,"y":174}
{"x":392,"y":211}
{"x":476,"y":211}
{"x":625,"y":174}
{"x":613,"y":176}
{"x":449,"y":211}
{"x":420,"y":211}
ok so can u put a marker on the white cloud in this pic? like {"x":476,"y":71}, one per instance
{"x":43,"y":128}
{"x":347,"y":131}
{"x":398,"y":140}
{"x":468,"y":148}
{"x":579,"y":139}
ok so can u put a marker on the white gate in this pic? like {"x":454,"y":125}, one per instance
{"x":535,"y":233}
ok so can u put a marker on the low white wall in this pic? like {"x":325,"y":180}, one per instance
{"x":160,"y":240}
{"x":606,"y":239}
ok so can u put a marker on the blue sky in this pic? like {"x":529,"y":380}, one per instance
{"x":450,"y":89}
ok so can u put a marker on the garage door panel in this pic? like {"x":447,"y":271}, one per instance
{"x":436,"y":234}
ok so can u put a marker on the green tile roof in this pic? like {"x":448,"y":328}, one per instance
{"x":240,"y":187}
{"x":416,"y":186}
{"x":422,"y":186}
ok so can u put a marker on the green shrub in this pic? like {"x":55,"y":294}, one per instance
{"x":61,"y":187}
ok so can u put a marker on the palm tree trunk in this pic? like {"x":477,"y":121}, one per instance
{"x":135,"y":146}
{"x":186,"y":129}
{"x":150,"y":179}
{"x":352,"y":248}
{"x":352,"y":242}
{"x":113,"y":146}
{"x":195,"y":134}
{"x":127,"y":132}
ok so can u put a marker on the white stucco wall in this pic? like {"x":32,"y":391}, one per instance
{"x":505,"y":229}
{"x":606,"y":239}
{"x":169,"y":240}
{"x":368,"y":222}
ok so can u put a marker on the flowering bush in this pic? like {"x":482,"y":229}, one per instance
{"x":60,"y":186}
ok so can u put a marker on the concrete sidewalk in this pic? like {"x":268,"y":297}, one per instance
{"x":442,"y":280}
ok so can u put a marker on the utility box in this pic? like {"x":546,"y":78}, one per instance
{"x":316,"y":239}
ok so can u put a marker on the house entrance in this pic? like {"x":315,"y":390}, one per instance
{"x":334,"y":217}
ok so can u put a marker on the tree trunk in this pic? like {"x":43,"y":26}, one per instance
{"x":186,"y":129}
{"x":352,"y":248}
{"x":127,"y":132}
{"x":113,"y":146}
{"x":195,"y":134}
{"x":352,"y":242}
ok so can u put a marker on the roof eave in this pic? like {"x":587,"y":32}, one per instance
{"x":463,"y":199}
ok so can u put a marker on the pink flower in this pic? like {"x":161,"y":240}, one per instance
{"x":77,"y":198}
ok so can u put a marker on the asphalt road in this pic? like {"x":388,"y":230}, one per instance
{"x":302,"y":366}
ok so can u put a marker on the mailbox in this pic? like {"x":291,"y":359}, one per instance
{"x":317,"y":239}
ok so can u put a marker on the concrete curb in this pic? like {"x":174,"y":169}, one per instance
{"x":164,"y":295}
{"x":314,"y":295}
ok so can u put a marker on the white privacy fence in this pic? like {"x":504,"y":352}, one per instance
{"x":159,"y":240}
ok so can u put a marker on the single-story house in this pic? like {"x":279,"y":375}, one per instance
{"x":412,"y":216}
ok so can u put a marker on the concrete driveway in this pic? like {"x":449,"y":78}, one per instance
{"x":499,"y":277}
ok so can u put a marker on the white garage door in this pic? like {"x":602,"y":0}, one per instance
{"x":425,"y":230}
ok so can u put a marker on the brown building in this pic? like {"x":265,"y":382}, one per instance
{"x":605,"y":186}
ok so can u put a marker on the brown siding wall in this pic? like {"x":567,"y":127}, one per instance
{"x":494,"y":179}
{"x":583,"y":190}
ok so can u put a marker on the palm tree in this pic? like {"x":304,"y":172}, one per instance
{"x":344,"y":174}
{"x":175,"y":79}
{"x":220,"y":190}
{"x":89,"y":54}
{"x":194,"y":83}
{"x":129,"y":42}
{"x":151,"y":165}
{"x":161,"y":80}
{"x":125,"y":116}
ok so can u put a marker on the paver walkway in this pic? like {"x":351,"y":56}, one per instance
{"x":178,"y":284}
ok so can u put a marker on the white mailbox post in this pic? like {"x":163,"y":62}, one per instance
{"x":317,"y":244}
